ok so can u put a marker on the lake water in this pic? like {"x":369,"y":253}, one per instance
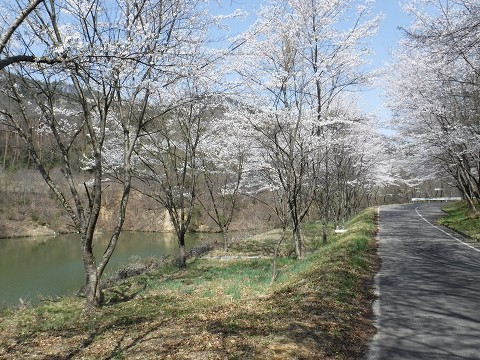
{"x":31,"y":268}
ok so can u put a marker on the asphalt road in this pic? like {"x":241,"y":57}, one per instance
{"x":428,"y":287}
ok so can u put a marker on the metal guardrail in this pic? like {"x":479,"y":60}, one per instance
{"x":425,"y":199}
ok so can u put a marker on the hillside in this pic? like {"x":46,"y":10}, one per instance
{"x":27,"y":208}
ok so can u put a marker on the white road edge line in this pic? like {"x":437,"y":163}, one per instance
{"x":436,"y":227}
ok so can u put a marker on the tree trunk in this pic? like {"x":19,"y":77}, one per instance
{"x":182,"y":258}
{"x":466,"y":192}
{"x":297,"y":235}
{"x":324,"y":231}
{"x":275,"y":254}
{"x":225,"y":236}
{"x":5,"y":150}
{"x":92,"y":292}
{"x":92,"y":288}
{"x":470,"y":202}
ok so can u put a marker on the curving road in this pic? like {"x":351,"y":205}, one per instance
{"x":428,"y":287}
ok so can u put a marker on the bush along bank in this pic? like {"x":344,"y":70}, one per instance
{"x":319,"y":307}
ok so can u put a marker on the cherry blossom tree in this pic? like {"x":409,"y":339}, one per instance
{"x":171,"y":165}
{"x":435,"y":91}
{"x":225,"y":153}
{"x":172,"y":154}
{"x":299,"y":57}
{"x":351,"y":162}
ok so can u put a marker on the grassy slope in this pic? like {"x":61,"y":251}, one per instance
{"x":462,"y":219}
{"x":320,"y":308}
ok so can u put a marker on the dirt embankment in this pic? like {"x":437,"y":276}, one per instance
{"x":28,"y":208}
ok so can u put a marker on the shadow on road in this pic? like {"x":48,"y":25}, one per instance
{"x":429,"y":290}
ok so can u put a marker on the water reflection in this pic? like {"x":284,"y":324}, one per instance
{"x":50,"y":266}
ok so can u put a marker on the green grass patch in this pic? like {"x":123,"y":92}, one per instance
{"x":320,"y":307}
{"x":462,"y":219}
{"x":264,"y":244}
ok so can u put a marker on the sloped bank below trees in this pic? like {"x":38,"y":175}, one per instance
{"x":463,"y":220}
{"x":27,"y":208}
{"x":320,"y":308}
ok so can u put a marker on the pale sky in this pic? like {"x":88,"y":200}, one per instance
{"x":384,"y":43}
